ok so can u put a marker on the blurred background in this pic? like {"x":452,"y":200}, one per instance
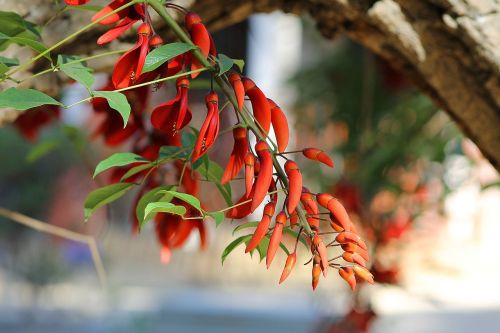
{"x":426,"y":200}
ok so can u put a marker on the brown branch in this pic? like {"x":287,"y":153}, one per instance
{"x":63,"y":233}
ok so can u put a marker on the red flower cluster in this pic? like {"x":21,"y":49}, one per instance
{"x":262,"y":170}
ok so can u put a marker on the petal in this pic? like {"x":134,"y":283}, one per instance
{"x":116,"y":31}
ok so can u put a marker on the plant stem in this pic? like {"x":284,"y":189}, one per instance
{"x":139,"y":85}
{"x":254,"y":126}
{"x":63,"y":233}
{"x":68,"y":38}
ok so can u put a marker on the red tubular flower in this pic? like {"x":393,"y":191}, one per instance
{"x":265,"y":176}
{"x":311,"y":207}
{"x":317,"y":155}
{"x":289,"y":265}
{"x":201,"y":38}
{"x":76,"y":2}
{"x":363,"y":274}
{"x":210,"y":128}
{"x":249,"y":171}
{"x":316,"y":271}
{"x":134,"y":12}
{"x":336,"y":208}
{"x":31,"y":121}
{"x":116,"y":31}
{"x":275,"y":240}
{"x":240,"y":209}
{"x":260,"y":105}
{"x":237,"y":158}
{"x":129,"y":66}
{"x":347,"y":273}
{"x":239,"y":90}
{"x":321,"y":248}
{"x":262,"y":228}
{"x":128,"y":17}
{"x":351,"y":247}
{"x":280,"y":126}
{"x":294,"y":185}
{"x":175,"y":114}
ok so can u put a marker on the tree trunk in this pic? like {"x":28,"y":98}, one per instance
{"x":449,"y":48}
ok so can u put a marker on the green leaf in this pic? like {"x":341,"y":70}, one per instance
{"x":42,"y":149}
{"x":294,"y":234}
{"x":213,"y":172}
{"x":6,"y":63}
{"x":164,"y":53}
{"x":23,"y":99}
{"x":13,"y":25}
{"x":31,"y":43}
{"x":135,"y":170}
{"x":103,"y":196}
{"x":75,"y":70}
{"x":9,"y":62}
{"x":192,"y":200}
{"x":116,"y":101}
{"x":233,"y":245}
{"x":188,"y":139}
{"x":118,"y":159}
{"x":162,"y":207}
{"x":170,"y":152}
{"x":225,"y":63}
{"x":217,"y":216}
{"x":262,"y":247}
{"x":253,"y":224}
{"x":152,"y":196}
{"x":240,"y":63}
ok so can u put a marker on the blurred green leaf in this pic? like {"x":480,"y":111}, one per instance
{"x":103,"y":196}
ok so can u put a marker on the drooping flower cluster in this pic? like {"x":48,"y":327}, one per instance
{"x":302,"y":212}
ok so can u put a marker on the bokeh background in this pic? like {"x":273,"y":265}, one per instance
{"x":427,"y":201}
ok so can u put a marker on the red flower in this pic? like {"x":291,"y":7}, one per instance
{"x":129,"y":66}
{"x":31,"y":121}
{"x":76,"y":2}
{"x":175,"y":114}
{"x":124,"y":19}
{"x":173,"y":230}
{"x":201,"y":38}
{"x":134,"y":12}
{"x":237,"y":158}
{"x":210,"y":128}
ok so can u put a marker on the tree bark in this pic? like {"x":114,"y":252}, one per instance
{"x":449,"y":48}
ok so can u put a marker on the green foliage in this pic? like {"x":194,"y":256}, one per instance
{"x":213,"y":173}
{"x":162,"y":207}
{"x":234,"y":244}
{"x":117,"y":101}
{"x":155,"y":195}
{"x":217,"y":216}
{"x":41,"y":149}
{"x":225,"y":63}
{"x":15,"y":30}
{"x":6,"y":63}
{"x":75,"y":69}
{"x":23,"y":99}
{"x":164,"y":53}
{"x":103,"y":196}
{"x":118,"y":159}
